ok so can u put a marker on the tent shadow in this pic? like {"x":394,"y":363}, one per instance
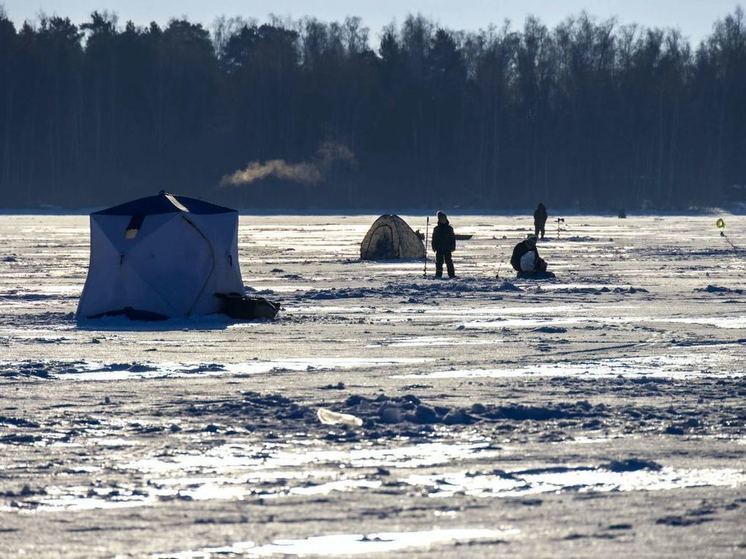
{"x":394,"y":260}
{"x":123,"y":324}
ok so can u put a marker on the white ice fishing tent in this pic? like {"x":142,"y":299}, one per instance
{"x":390,"y":238}
{"x":161,"y":257}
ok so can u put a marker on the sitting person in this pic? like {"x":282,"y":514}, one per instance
{"x":527,"y":262}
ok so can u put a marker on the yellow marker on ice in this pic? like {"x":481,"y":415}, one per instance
{"x":720,"y":224}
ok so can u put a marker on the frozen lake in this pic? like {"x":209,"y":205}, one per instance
{"x":601,"y":414}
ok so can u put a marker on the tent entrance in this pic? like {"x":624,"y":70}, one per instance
{"x":382,"y":244}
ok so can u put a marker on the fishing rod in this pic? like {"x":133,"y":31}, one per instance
{"x":427,"y":231}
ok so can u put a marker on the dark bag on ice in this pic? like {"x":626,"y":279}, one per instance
{"x":242,"y":307}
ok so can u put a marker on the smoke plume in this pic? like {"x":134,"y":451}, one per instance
{"x":304,"y":172}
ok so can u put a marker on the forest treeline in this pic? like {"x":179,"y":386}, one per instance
{"x":305,"y":114}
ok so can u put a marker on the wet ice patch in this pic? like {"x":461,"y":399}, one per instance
{"x":270,"y":471}
{"x":348,"y":544}
{"x":96,"y":371}
{"x":432,"y":341}
{"x":659,"y":366}
{"x":725,"y":322}
{"x":561,"y":320}
{"x":270,"y":458}
{"x":499,"y":310}
{"x":582,"y":479}
{"x":86,"y":498}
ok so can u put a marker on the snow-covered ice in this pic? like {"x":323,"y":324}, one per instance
{"x":599,"y":414}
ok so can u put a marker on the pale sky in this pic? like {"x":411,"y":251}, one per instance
{"x":694,"y":18}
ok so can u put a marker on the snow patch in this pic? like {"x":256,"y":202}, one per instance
{"x":348,"y":544}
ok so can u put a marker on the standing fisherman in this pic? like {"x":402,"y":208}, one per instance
{"x":540,"y":219}
{"x":444,"y":243}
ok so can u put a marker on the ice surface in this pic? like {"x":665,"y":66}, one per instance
{"x":495,"y":412}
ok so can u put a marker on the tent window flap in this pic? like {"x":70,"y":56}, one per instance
{"x":133,"y":228}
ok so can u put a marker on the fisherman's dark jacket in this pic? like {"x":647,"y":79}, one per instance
{"x":444,"y":239}
{"x":540,"y":215}
{"x":518,"y":252}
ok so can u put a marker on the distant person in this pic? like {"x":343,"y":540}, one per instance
{"x":540,"y":219}
{"x":443,"y":243}
{"x":527,"y":262}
